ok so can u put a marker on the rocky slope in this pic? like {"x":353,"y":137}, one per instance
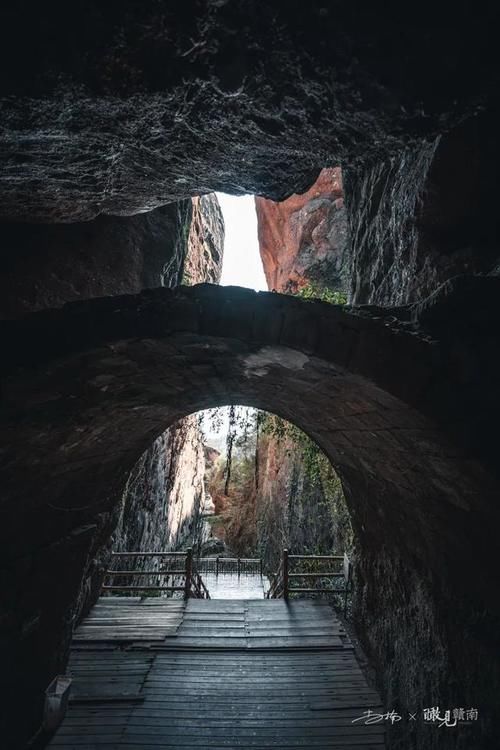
{"x":303,"y":239}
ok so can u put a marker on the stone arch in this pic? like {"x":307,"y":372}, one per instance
{"x":91,"y":385}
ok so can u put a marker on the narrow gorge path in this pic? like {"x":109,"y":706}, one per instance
{"x":232,"y":586}
{"x":218,"y":673}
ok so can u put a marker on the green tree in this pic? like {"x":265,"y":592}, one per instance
{"x":324,"y":294}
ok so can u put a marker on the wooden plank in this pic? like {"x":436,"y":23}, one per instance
{"x":150,"y":742}
{"x":125,"y":621}
{"x":269,"y":681}
{"x":104,"y":699}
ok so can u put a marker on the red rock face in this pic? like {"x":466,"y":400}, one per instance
{"x":303,"y":238}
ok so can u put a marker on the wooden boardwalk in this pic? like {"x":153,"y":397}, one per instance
{"x":258,"y":624}
{"x":233,"y":674}
{"x":124,"y":619}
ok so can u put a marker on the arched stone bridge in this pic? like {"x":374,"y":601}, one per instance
{"x":87,"y":388}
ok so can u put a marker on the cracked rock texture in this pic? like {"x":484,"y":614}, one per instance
{"x":165,"y":499}
{"x":425,"y":215}
{"x":203,"y":261}
{"x":303,"y":239}
{"x":121,"y":107}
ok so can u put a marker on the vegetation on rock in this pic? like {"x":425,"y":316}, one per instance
{"x":323,"y":293}
{"x":275,"y":488}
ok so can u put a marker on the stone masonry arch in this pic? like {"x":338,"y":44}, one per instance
{"x":88,"y":388}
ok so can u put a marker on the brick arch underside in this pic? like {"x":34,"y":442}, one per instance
{"x":96,"y":382}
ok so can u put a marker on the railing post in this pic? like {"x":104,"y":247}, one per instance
{"x":285,"y":574}
{"x":189,"y":571}
{"x":239,"y":567}
{"x":347,"y":578}
{"x":260,"y":561}
{"x":217,"y":566}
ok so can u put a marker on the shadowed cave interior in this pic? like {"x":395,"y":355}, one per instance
{"x":375,"y":170}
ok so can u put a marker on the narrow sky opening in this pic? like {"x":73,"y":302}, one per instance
{"x":241,"y":265}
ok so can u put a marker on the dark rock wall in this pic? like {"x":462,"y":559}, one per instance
{"x":46,"y":265}
{"x":122,"y":107}
{"x":416,"y":221}
{"x":154,"y":508}
{"x":425,"y":215}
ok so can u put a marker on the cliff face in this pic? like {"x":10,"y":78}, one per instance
{"x":410,"y":222}
{"x":46,"y":265}
{"x":298,"y":507}
{"x":424,"y":215}
{"x":283,"y":493}
{"x":303,"y":239}
{"x":203,"y":262}
{"x":165,"y":498}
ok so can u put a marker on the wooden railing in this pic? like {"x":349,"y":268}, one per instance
{"x":277,"y":587}
{"x":230,"y":565}
{"x":174,"y":572}
{"x":306,"y":570}
{"x":198,"y":588}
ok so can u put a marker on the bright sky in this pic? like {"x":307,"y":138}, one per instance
{"x":241,"y":265}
